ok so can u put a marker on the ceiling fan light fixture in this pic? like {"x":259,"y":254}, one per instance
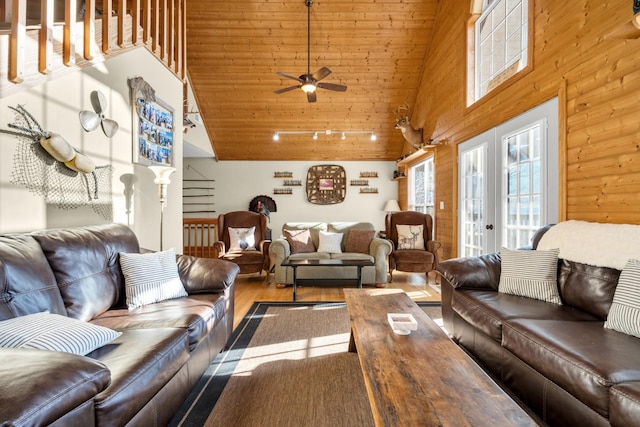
{"x":373,"y":136}
{"x":276,"y":136}
{"x":308,"y":88}
{"x":315,"y":136}
{"x":344,"y":136}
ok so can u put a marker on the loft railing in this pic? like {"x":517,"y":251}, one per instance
{"x":199,"y":235}
{"x":47,"y":37}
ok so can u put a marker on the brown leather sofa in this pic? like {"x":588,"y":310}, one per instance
{"x":142,"y":377}
{"x":558,"y":360}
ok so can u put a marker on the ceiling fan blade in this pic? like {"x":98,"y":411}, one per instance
{"x":109,"y":127}
{"x":289,"y":76}
{"x":98,"y":101}
{"x":287,"y":89}
{"x":311,"y":96}
{"x":321,"y":73}
{"x":332,"y":86}
{"x":89,"y":120}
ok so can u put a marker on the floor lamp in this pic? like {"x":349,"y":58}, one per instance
{"x":162,"y":180}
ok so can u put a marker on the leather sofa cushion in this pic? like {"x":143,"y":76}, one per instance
{"x":141,"y":362}
{"x":197,"y":314}
{"x":85,"y":263}
{"x":488,"y":310}
{"x":27,"y":284}
{"x":624,"y":404}
{"x":586,"y":287}
{"x":64,"y":382}
{"x":583,"y":358}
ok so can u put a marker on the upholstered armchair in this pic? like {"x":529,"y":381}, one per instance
{"x":413,"y":248}
{"x":242,"y":240}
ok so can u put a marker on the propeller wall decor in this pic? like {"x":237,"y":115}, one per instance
{"x":310,"y":82}
{"x":90,"y":119}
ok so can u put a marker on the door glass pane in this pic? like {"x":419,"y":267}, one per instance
{"x":522,"y":179}
{"x":473,"y":163}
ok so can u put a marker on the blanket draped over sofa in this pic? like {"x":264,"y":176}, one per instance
{"x":558,"y":359}
{"x":140,"y":378}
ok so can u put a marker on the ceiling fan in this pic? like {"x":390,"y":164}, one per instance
{"x":310,"y":82}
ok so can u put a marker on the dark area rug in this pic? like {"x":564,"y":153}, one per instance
{"x":287,"y":365}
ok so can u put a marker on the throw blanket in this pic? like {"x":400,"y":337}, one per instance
{"x":597,"y":244}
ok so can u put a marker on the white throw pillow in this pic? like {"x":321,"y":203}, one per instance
{"x":410,"y":237}
{"x":242,"y":239}
{"x":46,"y":331}
{"x":151,"y":278}
{"x":532,"y":274}
{"x":330,"y":242}
{"x":624,"y":314}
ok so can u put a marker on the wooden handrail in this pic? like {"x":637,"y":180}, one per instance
{"x":120,"y":25}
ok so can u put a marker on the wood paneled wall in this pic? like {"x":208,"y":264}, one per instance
{"x":597,"y":79}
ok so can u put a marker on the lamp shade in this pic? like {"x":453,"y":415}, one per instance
{"x":392,"y":206}
{"x":162,"y":174}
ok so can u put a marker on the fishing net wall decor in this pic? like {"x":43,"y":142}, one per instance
{"x":38,"y":171}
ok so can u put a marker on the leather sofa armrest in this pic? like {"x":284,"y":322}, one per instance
{"x":482,"y":272}
{"x":434,"y":246}
{"x":39,"y":387}
{"x":205,"y":275}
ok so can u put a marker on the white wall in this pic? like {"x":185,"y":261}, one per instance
{"x":237,"y":182}
{"x":56,"y":105}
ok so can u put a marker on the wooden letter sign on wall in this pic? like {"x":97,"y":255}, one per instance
{"x":326,"y":184}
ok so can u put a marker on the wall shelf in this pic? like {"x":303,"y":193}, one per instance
{"x":359,"y":182}
{"x":283,"y":174}
{"x":369,"y":174}
{"x":368,"y":190}
{"x":281,"y":191}
{"x":292,"y":183}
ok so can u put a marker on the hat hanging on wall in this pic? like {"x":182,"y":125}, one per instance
{"x":90,"y":119}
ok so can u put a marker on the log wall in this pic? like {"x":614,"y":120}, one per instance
{"x":597,"y":79}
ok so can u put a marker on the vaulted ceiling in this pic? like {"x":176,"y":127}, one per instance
{"x":376,"y":48}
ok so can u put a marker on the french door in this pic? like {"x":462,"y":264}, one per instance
{"x":508,"y":182}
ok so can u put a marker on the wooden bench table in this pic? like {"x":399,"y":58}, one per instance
{"x":424,"y":378}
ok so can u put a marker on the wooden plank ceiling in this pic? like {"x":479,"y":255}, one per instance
{"x":375,"y":47}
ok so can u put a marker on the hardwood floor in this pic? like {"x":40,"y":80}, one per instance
{"x":254,"y":287}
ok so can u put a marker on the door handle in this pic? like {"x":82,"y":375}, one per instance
{"x":489,"y":227}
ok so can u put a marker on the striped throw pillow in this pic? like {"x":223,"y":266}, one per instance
{"x":624,"y":314}
{"x":151,"y":278}
{"x":46,"y":331}
{"x":532,"y":274}
{"x":330,"y":242}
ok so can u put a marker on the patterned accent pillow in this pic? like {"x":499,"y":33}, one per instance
{"x":300,"y":241}
{"x":46,"y":331}
{"x":242,"y":239}
{"x":151,"y":278}
{"x":410,"y":237}
{"x":532,"y":274}
{"x":330,"y":242}
{"x":359,"y":241}
{"x":624,"y":314}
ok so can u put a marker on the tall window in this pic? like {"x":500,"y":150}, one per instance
{"x":422,"y":194}
{"x":500,"y":43}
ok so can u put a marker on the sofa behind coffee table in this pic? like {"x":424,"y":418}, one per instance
{"x":379,"y":250}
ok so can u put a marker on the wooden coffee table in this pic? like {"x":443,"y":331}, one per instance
{"x":424,"y":378}
{"x":301,"y":263}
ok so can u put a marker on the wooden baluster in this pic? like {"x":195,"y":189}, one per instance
{"x":17,"y":40}
{"x":45,"y":39}
{"x":69,"y":36}
{"x":171,"y":22}
{"x":122,"y":13}
{"x":162,"y":37}
{"x":183,"y":40}
{"x":135,"y":20}
{"x":107,"y":9}
{"x":89,"y":28}
{"x":155,"y":18}
{"x":146,"y":20}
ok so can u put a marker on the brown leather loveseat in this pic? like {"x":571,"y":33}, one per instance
{"x":557,"y":359}
{"x":140,"y":378}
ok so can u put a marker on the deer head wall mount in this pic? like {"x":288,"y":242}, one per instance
{"x":413,"y":136}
